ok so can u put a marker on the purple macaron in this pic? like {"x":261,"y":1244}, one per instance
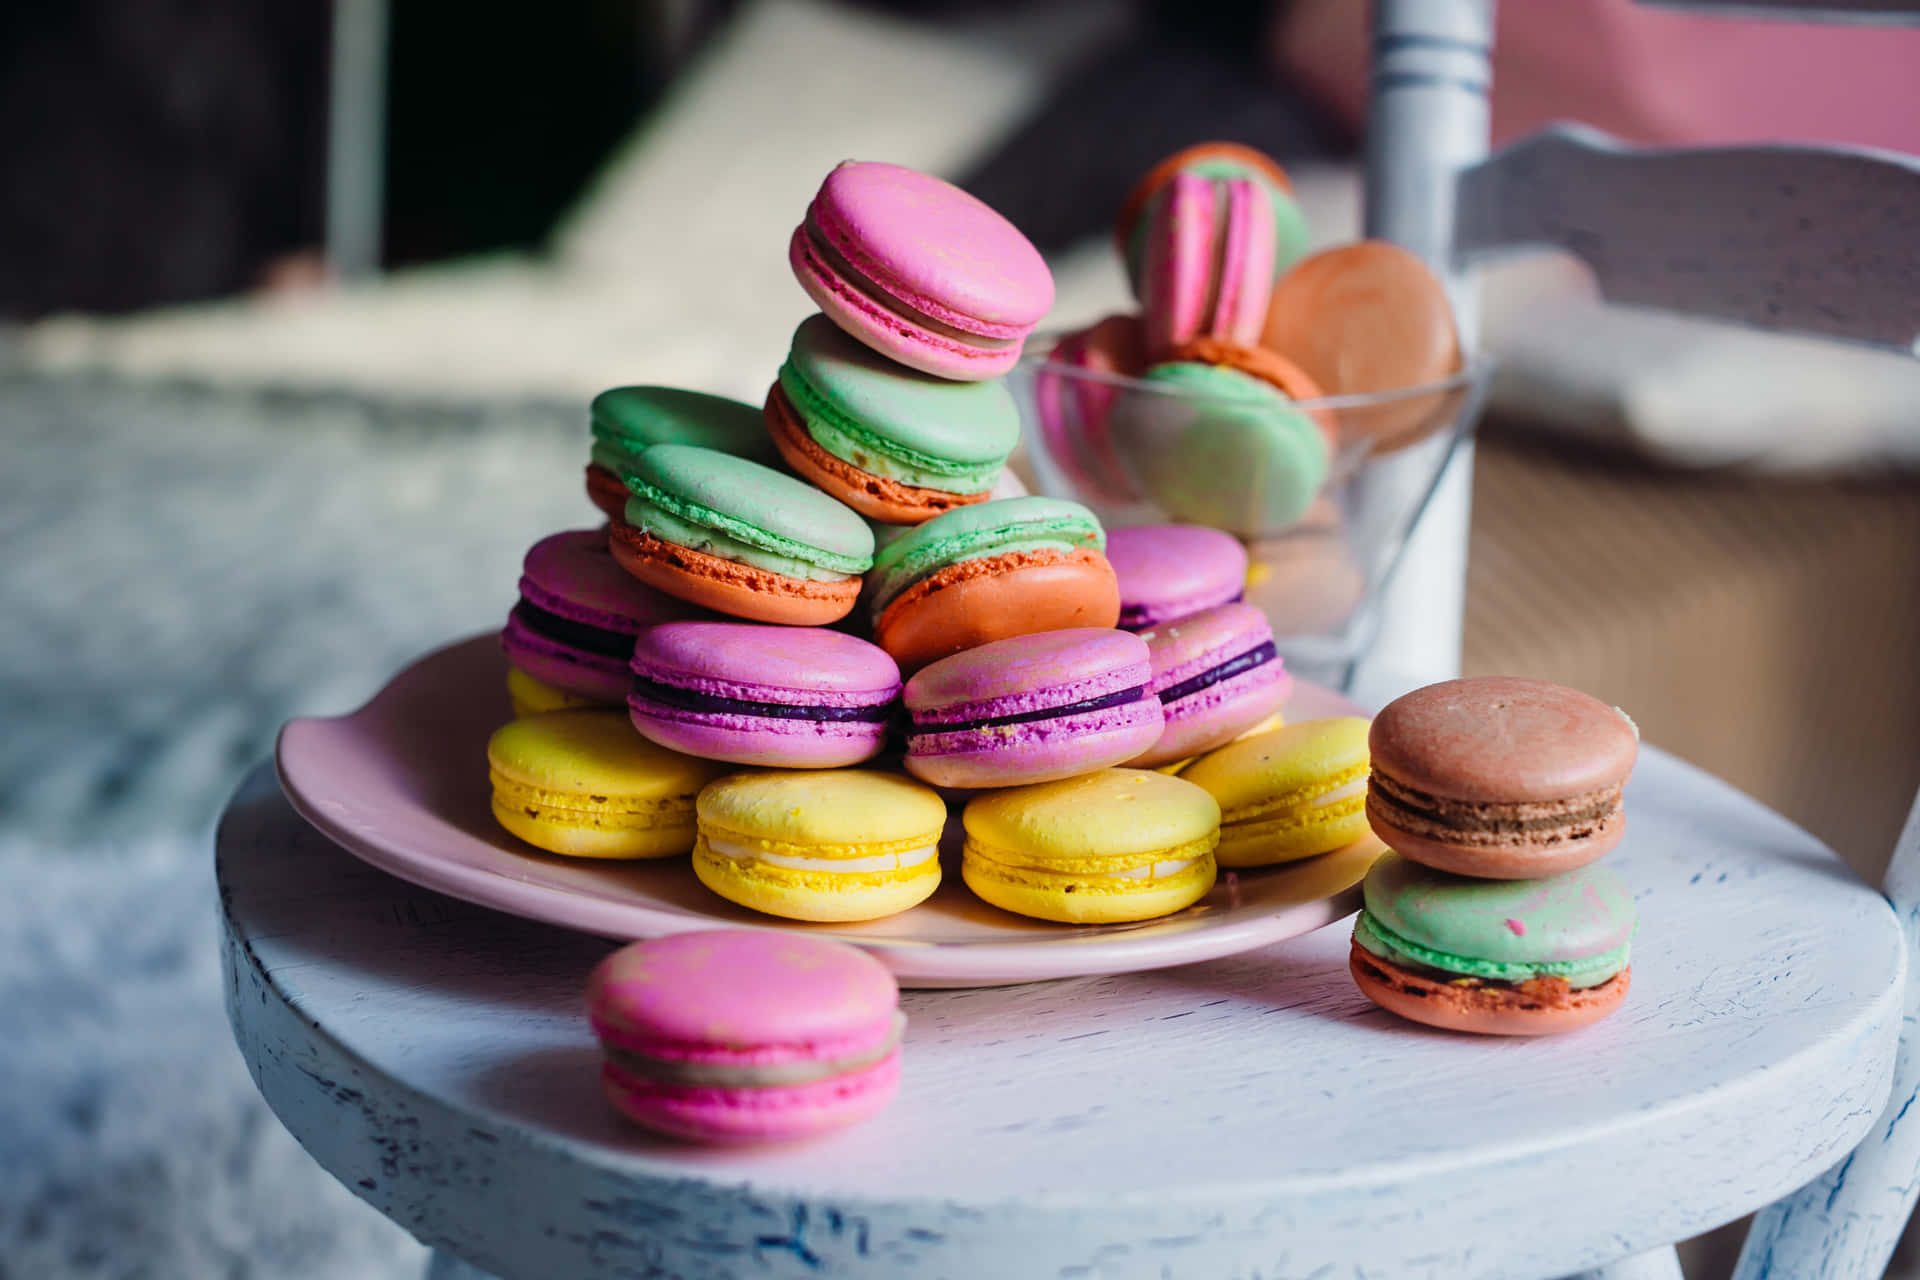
{"x":1216,"y":675}
{"x":785,"y":697}
{"x":1168,"y":571}
{"x":578,"y":614}
{"x":1031,"y":709}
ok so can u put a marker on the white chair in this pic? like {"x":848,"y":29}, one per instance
{"x":1773,"y":237}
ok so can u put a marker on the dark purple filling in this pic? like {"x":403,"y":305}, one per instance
{"x":690,"y":700}
{"x":1118,"y":699}
{"x":1257,"y":656}
{"x":580,"y":635}
{"x":1135,"y":616}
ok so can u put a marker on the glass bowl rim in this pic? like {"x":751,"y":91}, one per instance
{"x":1471,"y":372}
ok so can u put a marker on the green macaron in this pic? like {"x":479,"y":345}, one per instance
{"x":1220,"y":447}
{"x":1577,"y":926}
{"x":896,"y":445}
{"x":976,"y":533}
{"x":628,"y":420}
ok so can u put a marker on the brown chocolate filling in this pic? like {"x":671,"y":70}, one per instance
{"x":1488,"y":822}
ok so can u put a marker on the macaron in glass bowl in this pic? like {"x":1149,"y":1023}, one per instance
{"x":1323,"y":527}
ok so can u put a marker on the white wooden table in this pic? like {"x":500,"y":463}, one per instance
{"x":1250,"y":1117}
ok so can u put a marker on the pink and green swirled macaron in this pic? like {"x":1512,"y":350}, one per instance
{"x":778,"y":697}
{"x":1032,"y":708}
{"x":746,"y":1035}
{"x":579,"y":613}
{"x":920,"y":271}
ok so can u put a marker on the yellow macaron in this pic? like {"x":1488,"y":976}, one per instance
{"x":1120,"y":844}
{"x":530,"y":697}
{"x":584,"y":782}
{"x":820,"y":844}
{"x":1289,"y":794}
{"x":1268,"y":725}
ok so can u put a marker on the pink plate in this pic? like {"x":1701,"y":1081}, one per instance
{"x":402,"y":783}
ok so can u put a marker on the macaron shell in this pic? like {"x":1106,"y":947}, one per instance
{"x":978,"y":602}
{"x":802,"y":666}
{"x":1503,"y":739}
{"x":638,"y":417}
{"x":1122,"y":814}
{"x":1176,"y":281}
{"x":818,"y":897}
{"x":1439,"y":1003}
{"x":1366,"y":317}
{"x":840,"y":813}
{"x":1217,"y":713}
{"x":1552,"y":920}
{"x":1217,"y":160}
{"x":605,"y":491}
{"x":1168,"y":571}
{"x":1029,"y":673}
{"x":1040,"y":751}
{"x":530,"y":696}
{"x":749,"y":501}
{"x":729,"y":587}
{"x":776,"y":1114}
{"x":873,"y":496}
{"x":1290,"y":794}
{"x":1246,"y":267}
{"x":597,"y":679}
{"x":1068,"y":900}
{"x":1015,"y":524}
{"x":574,"y":574}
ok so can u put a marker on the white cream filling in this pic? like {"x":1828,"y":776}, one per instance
{"x":1158,"y":871}
{"x":1358,"y":787}
{"x":879,"y":862}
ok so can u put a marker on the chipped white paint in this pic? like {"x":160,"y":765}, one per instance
{"x":1249,"y":1117}
{"x":1844,"y":1224}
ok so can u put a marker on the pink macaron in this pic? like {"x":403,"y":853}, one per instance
{"x":920,"y":271}
{"x":1031,"y":709}
{"x":1168,"y":571}
{"x":781,"y":697}
{"x":1217,"y":675}
{"x":1208,"y":269}
{"x":746,"y":1035}
{"x":1073,"y":392}
{"x":578,"y":615}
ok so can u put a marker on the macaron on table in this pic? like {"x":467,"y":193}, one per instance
{"x":1210,"y":1085}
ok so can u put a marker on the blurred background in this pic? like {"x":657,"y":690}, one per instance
{"x":301,"y":303}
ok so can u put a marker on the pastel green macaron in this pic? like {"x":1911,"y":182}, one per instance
{"x":734,"y":536}
{"x":628,"y":420}
{"x":1298,"y":791}
{"x":1223,"y":448}
{"x":586,"y":784}
{"x":894,"y":444}
{"x":1103,"y":847}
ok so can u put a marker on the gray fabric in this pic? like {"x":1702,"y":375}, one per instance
{"x":180,"y":571}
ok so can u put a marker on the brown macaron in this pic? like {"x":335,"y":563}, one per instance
{"x":1500,"y":777}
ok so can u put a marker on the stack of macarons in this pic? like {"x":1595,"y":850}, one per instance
{"x":1237,"y":325}
{"x":808,"y":629}
{"x":1497,"y":795}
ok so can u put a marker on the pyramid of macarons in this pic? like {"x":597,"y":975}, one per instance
{"x":1498,"y":796}
{"x":812,"y":629}
{"x":1237,"y":325}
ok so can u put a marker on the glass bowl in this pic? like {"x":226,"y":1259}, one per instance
{"x":1323,"y":526}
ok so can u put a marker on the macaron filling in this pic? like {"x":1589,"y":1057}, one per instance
{"x":699,"y":529}
{"x":853,"y":442}
{"x":1484,"y":822}
{"x":1258,"y":656}
{"x":1140,"y":615}
{"x":573,"y":633}
{"x":897,"y":860}
{"x":1589,"y":971}
{"x":605,"y":812}
{"x":836,"y":260}
{"x":694,"y":700}
{"x":1118,"y":698}
{"x":704,"y":1073}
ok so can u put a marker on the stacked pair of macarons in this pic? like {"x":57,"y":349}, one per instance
{"x":1497,"y":796}
{"x":1237,"y":326}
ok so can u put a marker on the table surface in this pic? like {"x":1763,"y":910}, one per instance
{"x":1247,"y":1117}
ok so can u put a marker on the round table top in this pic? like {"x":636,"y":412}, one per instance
{"x":1247,"y":1116}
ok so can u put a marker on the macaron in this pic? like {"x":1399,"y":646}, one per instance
{"x":1074,"y":390}
{"x":1500,"y":777}
{"x":1242,"y":183}
{"x":579,"y":611}
{"x":739,"y":538}
{"x":746,"y":1035}
{"x":1217,"y":675}
{"x":529,"y":697}
{"x":894,"y":444}
{"x":626,"y":420}
{"x":922,"y":272}
{"x":984,"y":573}
{"x":1031,"y":709}
{"x":782,"y":697}
{"x":827,"y":844}
{"x":1368,"y":317}
{"x":1169,"y":571}
{"x":1206,"y":260}
{"x":1219,"y":446}
{"x":583,"y":783}
{"x":1100,"y":848}
{"x":1290,"y":794}
{"x":1498,"y":957}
